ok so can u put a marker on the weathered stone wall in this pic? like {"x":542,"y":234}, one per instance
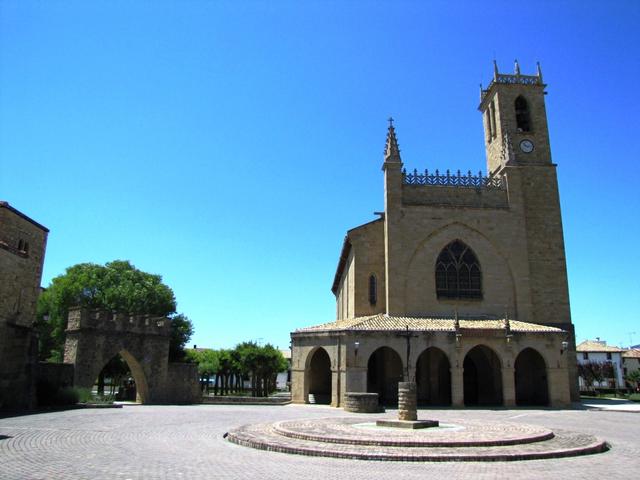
{"x":18,"y":353}
{"x":182,"y":383}
{"x":54,"y":376}
{"x":22,"y":248}
{"x":454,"y":196}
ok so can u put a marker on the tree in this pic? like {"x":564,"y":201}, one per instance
{"x":208,"y":364}
{"x":181,"y":331}
{"x":116,"y":286}
{"x":633,"y":378}
{"x":592,"y":372}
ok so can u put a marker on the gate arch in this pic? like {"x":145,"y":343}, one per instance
{"x":384,"y":371}
{"x":530,"y":376}
{"x":482,"y":377}
{"x":95,"y":337}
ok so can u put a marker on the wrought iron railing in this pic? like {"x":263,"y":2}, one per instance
{"x":452,"y":180}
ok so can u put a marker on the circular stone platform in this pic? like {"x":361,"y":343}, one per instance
{"x":457,"y":440}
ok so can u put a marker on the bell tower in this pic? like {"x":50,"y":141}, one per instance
{"x":515,"y":120}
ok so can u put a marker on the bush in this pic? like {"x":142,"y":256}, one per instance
{"x":66,"y":396}
{"x":84,"y":395}
{"x":634,"y":397}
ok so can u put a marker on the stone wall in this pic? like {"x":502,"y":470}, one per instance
{"x":18,"y":353}
{"x":183,"y":384}
{"x":22,"y":248}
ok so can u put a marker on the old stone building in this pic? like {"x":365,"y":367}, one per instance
{"x":461,"y":283}
{"x":22,"y":248}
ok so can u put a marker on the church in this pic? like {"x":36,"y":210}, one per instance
{"x":461,"y":284}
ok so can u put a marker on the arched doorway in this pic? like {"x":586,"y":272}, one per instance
{"x":122,"y":378}
{"x":531,"y":378}
{"x":319,"y":372}
{"x":433,"y":377}
{"x":384,"y":371}
{"x":482,"y":377}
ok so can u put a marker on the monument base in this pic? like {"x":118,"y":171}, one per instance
{"x":411,"y":424}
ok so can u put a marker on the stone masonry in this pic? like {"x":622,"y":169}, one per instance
{"x":22,"y":249}
{"x":510,"y":221}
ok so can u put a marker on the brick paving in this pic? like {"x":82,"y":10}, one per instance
{"x":185,"y":442}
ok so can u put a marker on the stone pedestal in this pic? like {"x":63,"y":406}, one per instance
{"x":361,"y":402}
{"x":407,"y":401}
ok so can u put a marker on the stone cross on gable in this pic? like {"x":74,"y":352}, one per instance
{"x":408,"y":335}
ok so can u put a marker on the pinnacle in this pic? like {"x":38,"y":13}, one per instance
{"x":391,"y":150}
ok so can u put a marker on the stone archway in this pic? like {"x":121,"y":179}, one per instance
{"x":137,"y":372}
{"x":530,"y":377}
{"x":94,"y":337}
{"x":319,"y":377}
{"x":384,"y":371}
{"x":433,"y":376}
{"x":482,"y":377}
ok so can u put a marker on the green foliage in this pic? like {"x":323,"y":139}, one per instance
{"x":116,"y":286}
{"x":633,"y":377}
{"x":181,"y":331}
{"x":246,"y":360}
{"x":634,"y":397}
{"x":84,"y":395}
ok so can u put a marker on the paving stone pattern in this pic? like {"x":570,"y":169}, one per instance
{"x":460,"y":432}
{"x":185,"y":442}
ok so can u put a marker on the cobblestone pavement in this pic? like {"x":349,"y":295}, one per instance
{"x":186,"y":442}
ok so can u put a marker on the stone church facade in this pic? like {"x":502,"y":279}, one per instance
{"x":461,"y":284}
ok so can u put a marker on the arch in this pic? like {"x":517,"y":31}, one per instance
{"x":458,"y":274}
{"x":482,"y":377}
{"x":433,"y":376}
{"x":373,"y":289}
{"x":530,"y":376}
{"x":419,"y":285}
{"x":137,"y":372}
{"x":319,"y":377}
{"x":523,"y":118}
{"x":492,"y":109}
{"x":384,"y":371}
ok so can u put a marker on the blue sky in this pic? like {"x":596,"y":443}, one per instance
{"x":228,"y":146}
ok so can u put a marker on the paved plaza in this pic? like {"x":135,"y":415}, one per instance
{"x":186,"y":442}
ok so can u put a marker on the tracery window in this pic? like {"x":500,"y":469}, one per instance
{"x":373,"y":290}
{"x":458,"y":274}
{"x":523,"y":122}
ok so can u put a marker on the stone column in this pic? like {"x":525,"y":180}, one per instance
{"x":508,"y":387}
{"x":407,"y":401}
{"x":457,"y":387}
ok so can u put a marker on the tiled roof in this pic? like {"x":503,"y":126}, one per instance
{"x":382,"y":322}
{"x":596,"y":346}
{"x":633,"y":353}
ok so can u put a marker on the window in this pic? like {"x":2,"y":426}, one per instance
{"x":373,"y":290}
{"x":522,"y":115}
{"x":608,"y":355}
{"x":458,"y":273}
{"x":585,"y":355}
{"x":489,"y":130}
{"x":492,"y":124}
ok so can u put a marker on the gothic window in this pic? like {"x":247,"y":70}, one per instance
{"x":492,"y":109}
{"x":523,"y":122}
{"x":488,"y":120}
{"x":373,"y":290}
{"x":458,"y":273}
